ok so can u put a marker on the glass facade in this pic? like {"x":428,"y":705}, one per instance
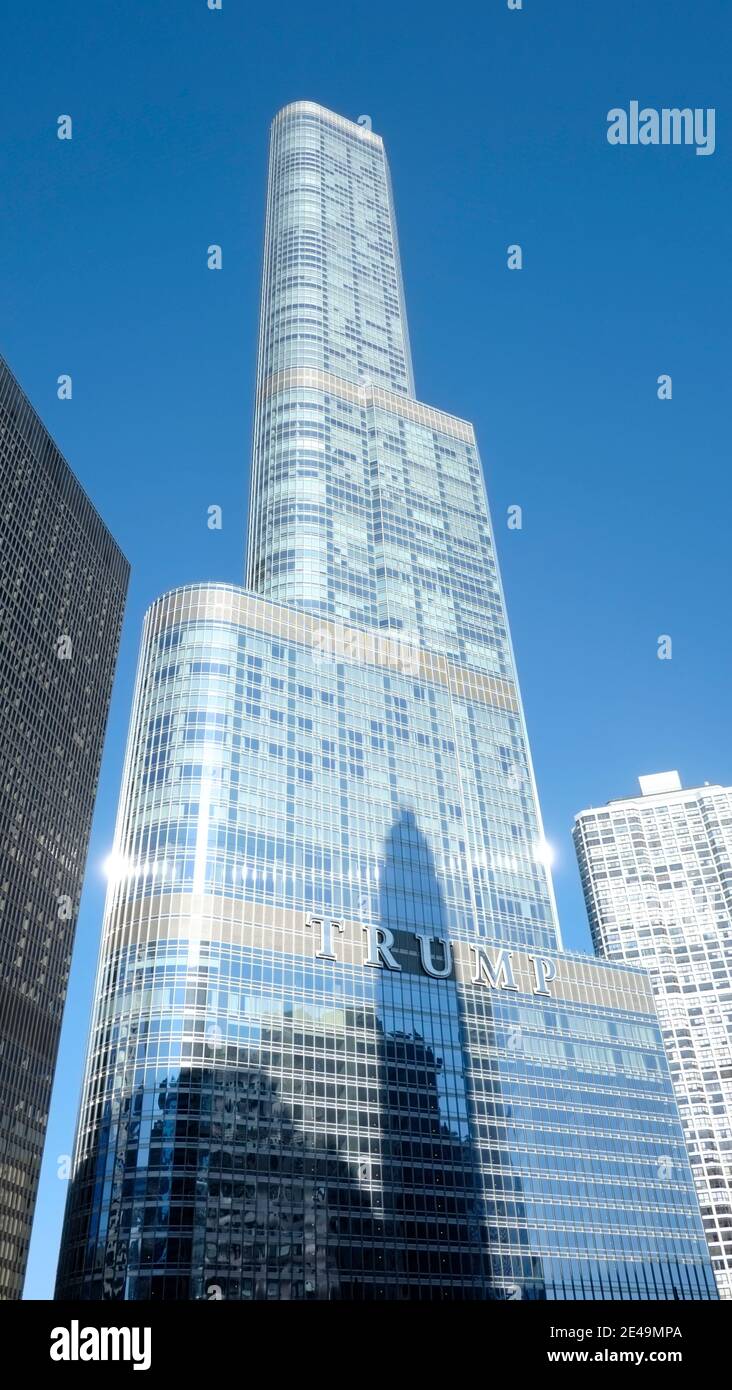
{"x":657,"y":876}
{"x":337,"y":1051}
{"x":63,"y":584}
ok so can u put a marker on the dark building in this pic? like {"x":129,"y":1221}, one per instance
{"x":63,"y":583}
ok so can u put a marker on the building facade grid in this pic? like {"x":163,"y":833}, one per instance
{"x":337,"y":1052}
{"x":657,"y":876}
{"x":63,"y":582}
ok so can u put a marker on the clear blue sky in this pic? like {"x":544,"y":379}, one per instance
{"x":495,"y":124}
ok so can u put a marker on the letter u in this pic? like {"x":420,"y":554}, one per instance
{"x":425,"y":953}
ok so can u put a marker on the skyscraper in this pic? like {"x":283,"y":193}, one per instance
{"x":657,"y":877}
{"x":337,"y":1051}
{"x":63,"y":583}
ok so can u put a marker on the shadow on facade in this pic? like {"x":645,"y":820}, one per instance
{"x":340,"y":1165}
{"x":437,"y":1168}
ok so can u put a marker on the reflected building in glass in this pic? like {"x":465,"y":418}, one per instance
{"x":337,"y":1050}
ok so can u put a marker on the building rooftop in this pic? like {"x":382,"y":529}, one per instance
{"x":662,"y":784}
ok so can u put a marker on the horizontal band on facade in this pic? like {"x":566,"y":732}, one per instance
{"x":331,"y":638}
{"x":368,"y":394}
{"x":231,"y":922}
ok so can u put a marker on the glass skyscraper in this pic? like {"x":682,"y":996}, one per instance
{"x":337,"y":1051}
{"x":63,"y":583}
{"x":657,"y":877}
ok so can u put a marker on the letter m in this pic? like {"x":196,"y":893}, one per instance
{"x":671,"y":118}
{"x":115,"y":1343}
{"x":498,"y":974}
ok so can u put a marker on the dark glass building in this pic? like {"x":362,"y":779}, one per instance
{"x":63,"y":583}
{"x":337,"y":1049}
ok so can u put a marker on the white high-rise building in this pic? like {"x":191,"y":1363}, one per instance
{"x":657,"y":877}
